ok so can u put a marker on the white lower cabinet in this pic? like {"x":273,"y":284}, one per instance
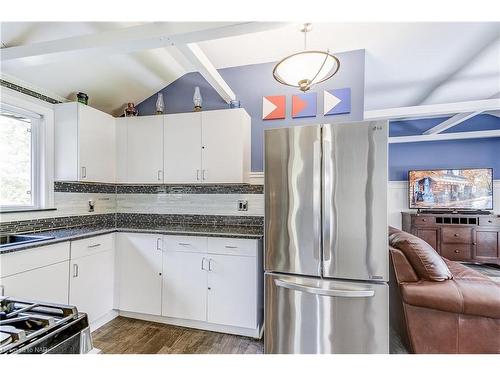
{"x":212,"y":280}
{"x":45,"y":284}
{"x":232,"y":290}
{"x":184,"y":285}
{"x":39,"y":274}
{"x":92,"y":283}
{"x":139,"y":279}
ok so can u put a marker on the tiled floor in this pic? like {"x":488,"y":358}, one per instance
{"x":132,"y":336}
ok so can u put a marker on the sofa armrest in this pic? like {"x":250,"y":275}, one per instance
{"x":402,"y":268}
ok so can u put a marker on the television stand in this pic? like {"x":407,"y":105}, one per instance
{"x":467,"y":236}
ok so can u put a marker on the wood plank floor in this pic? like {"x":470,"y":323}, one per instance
{"x":131,"y":336}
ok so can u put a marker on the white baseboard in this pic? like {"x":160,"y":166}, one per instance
{"x":103,"y":320}
{"x":254,"y":333}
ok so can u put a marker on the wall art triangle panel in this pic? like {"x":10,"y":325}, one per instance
{"x":304,"y":105}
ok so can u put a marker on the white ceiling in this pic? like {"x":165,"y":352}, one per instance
{"x":406,"y":64}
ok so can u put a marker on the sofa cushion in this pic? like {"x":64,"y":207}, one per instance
{"x":424,"y":259}
{"x":459,"y":271}
{"x":471,"y":297}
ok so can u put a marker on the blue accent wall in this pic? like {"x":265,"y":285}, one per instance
{"x":464,"y":153}
{"x":251,"y":82}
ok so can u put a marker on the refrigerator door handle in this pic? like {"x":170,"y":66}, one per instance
{"x":362,"y":293}
{"x":327,"y":200}
{"x":317,"y":197}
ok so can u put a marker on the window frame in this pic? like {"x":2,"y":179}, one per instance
{"x":37,"y":121}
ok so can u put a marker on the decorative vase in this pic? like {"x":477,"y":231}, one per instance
{"x":197,"y":100}
{"x":83,"y":98}
{"x":130,"y":110}
{"x":160,"y":105}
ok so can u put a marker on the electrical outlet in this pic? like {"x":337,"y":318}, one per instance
{"x":242,"y":205}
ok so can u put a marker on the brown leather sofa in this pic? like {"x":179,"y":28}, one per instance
{"x":440,"y":306}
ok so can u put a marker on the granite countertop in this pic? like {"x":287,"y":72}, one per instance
{"x":61,"y":235}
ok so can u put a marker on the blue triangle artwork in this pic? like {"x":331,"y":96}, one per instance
{"x":337,"y":101}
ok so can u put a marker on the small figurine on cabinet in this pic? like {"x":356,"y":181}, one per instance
{"x":130,"y":110}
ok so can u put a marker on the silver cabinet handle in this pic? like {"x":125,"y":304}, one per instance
{"x":84,"y":172}
{"x":325,"y":292}
{"x":160,"y":175}
{"x":210,"y":264}
{"x":197,"y":175}
{"x":231,"y":247}
{"x":2,"y":290}
{"x":184,"y":244}
{"x":158,"y":243}
{"x":203,"y":264}
{"x":75,"y":270}
{"x":204,"y":174}
{"x":95,"y":245}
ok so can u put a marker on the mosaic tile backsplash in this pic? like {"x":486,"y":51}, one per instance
{"x":155,"y":204}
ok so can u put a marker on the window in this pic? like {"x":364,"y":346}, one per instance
{"x":19,"y":161}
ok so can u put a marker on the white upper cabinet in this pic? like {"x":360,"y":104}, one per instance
{"x":189,"y":148}
{"x":84,"y":144}
{"x":140,"y":153}
{"x":225,"y":146}
{"x":182,"y":148}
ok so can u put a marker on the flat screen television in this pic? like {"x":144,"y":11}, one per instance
{"x":453,"y":189}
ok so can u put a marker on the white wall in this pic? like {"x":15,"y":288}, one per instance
{"x":397,"y":197}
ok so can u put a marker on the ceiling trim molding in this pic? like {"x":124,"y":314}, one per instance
{"x":128,"y":39}
{"x":451,"y":122}
{"x":446,"y":136}
{"x":202,"y":64}
{"x":423,"y":111}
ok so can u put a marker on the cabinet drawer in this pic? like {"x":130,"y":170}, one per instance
{"x":190,"y":244}
{"x":232,"y":246}
{"x":489,"y":221}
{"x":456,"y":251}
{"x":92,"y":245}
{"x":459,"y":235}
{"x":424,"y":220}
{"x":25,"y":260}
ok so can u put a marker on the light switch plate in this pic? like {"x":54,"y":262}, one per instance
{"x":242,"y":205}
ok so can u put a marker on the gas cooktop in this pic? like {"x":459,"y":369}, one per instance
{"x":31,"y":327}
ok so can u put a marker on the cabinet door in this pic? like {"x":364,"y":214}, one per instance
{"x":232,"y":290}
{"x":487,"y":244}
{"x":121,"y":149}
{"x":145,"y":149}
{"x":91,"y":284}
{"x":185,"y":285}
{"x":182,"y":148}
{"x":429,"y":235}
{"x":224,"y":146}
{"x":140,"y":268}
{"x":45,"y":284}
{"x":96,"y":145}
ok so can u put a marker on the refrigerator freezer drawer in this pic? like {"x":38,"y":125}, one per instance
{"x":306,"y":315}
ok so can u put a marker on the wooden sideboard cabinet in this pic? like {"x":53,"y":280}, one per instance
{"x":468,"y":238}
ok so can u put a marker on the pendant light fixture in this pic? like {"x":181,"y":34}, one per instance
{"x":307,"y":68}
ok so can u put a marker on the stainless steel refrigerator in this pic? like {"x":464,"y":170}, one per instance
{"x":326,"y":255}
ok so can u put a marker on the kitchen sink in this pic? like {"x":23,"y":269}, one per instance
{"x":18,"y":239}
